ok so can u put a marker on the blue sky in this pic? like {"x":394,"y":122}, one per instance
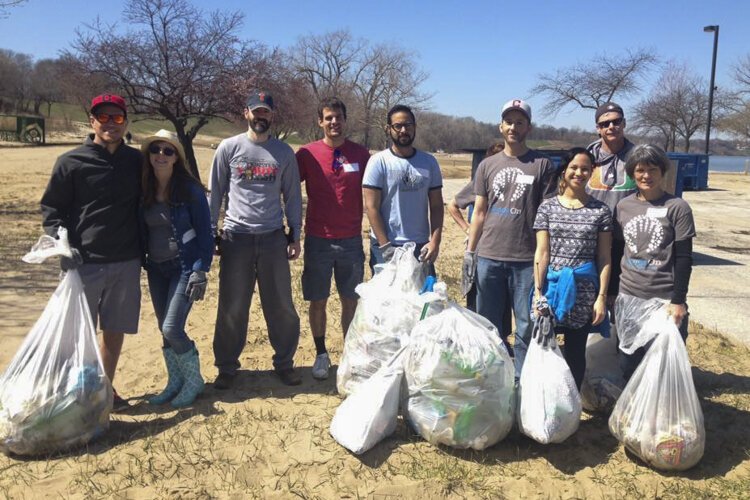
{"x":478,"y":54}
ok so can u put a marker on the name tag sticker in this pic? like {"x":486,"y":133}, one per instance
{"x":351,"y":167}
{"x":524,"y":179}
{"x":656,"y":213}
{"x":189,"y":235}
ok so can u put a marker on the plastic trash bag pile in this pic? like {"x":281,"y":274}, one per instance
{"x":658,"y":416}
{"x":54,"y":395}
{"x":389,"y":307}
{"x":458,"y":373}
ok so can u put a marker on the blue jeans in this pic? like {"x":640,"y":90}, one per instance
{"x":498,"y":282}
{"x":376,"y":256}
{"x":167,"y":282}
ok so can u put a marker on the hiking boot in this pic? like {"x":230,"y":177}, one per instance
{"x":289,"y":377}
{"x":321,"y":366}
{"x":224,"y":381}
{"x":118,"y":403}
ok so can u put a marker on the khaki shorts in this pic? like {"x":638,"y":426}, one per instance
{"x":113,"y":291}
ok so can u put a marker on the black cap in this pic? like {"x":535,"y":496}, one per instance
{"x":608,"y":107}
{"x":260,"y":99}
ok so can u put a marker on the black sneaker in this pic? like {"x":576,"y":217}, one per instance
{"x":289,"y":377}
{"x":224,"y":381}
{"x":119,"y":404}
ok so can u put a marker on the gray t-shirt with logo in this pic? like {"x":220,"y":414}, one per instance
{"x":649,"y":229}
{"x":405,"y":184}
{"x":514,"y":188}
{"x":253,"y":178}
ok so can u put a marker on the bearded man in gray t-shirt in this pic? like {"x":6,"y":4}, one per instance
{"x":509,"y":187}
{"x":251,"y":174}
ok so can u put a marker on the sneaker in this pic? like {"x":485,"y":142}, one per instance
{"x":118,"y":403}
{"x":321,"y":366}
{"x":224,"y":381}
{"x":289,"y":377}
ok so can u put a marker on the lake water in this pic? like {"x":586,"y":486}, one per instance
{"x":727,"y":163}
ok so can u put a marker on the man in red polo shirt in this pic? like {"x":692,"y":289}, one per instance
{"x":332,"y":170}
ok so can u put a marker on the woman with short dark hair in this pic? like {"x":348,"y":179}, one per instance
{"x":654,"y":233}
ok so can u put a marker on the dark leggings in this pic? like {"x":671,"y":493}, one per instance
{"x":574,"y":350}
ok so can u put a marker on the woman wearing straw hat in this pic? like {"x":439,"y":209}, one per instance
{"x":178,"y":244}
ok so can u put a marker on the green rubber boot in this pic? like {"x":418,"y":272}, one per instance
{"x":174,"y":380}
{"x":193,"y":384}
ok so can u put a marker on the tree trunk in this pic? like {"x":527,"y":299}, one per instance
{"x":187,"y":144}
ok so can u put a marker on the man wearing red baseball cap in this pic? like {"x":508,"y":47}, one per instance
{"x":94,"y":192}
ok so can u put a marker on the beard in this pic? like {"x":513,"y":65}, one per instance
{"x":259,"y":125}
{"x":402,"y":140}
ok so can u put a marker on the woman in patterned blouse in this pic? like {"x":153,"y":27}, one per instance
{"x":573,"y":256}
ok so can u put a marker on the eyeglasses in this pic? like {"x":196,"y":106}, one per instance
{"x":398,"y":127}
{"x":605,"y":124}
{"x":337,"y":164}
{"x":105,"y":118}
{"x":166,"y":150}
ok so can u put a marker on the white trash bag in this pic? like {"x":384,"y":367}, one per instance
{"x":54,"y":395}
{"x":389,"y":306}
{"x":370,"y":413}
{"x":658,"y":416}
{"x":460,"y":379}
{"x":549,"y":404}
{"x":603,"y":381}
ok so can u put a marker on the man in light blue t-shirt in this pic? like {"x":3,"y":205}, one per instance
{"x":403,"y":194}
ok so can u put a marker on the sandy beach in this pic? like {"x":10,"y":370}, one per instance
{"x":266,"y":440}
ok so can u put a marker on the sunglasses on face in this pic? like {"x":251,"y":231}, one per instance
{"x":337,"y":164}
{"x":605,"y":124}
{"x":105,"y":118}
{"x":166,"y":150}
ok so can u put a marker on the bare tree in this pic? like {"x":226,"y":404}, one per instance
{"x":592,"y":83}
{"x":46,"y":85}
{"x":369,"y":78}
{"x":736,"y":120}
{"x":15,"y":71}
{"x":177,"y":63}
{"x":676,"y":107}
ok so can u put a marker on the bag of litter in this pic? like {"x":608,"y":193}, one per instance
{"x":549,"y":404}
{"x":54,"y":395}
{"x":370,"y":413}
{"x":603,"y":381}
{"x":658,"y":416}
{"x":389,"y":307}
{"x":460,"y":380}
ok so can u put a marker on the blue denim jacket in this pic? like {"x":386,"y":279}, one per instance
{"x":191,"y":225}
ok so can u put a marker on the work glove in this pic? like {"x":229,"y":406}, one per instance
{"x":387,"y":251}
{"x":468,"y":272}
{"x":196,"y":286}
{"x":544,"y":325}
{"x":72,"y":262}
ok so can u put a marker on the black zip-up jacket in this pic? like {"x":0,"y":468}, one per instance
{"x":95,"y":195}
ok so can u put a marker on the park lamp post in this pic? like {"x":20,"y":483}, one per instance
{"x":715,"y":30}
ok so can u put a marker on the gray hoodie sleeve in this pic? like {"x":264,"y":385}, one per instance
{"x":218,"y":183}
{"x":292,"y":192}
